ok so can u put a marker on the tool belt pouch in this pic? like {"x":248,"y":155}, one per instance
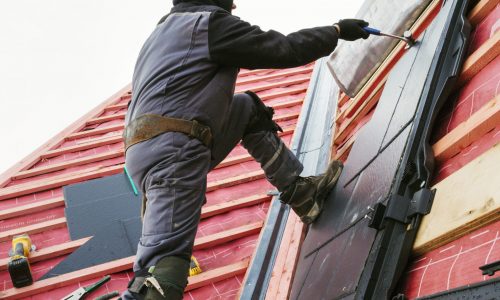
{"x":149,"y":126}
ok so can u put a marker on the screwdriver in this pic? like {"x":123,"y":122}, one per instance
{"x":407,"y":36}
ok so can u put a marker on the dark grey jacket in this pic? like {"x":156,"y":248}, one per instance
{"x":187,"y":68}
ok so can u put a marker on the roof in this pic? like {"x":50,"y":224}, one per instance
{"x":32,"y":201}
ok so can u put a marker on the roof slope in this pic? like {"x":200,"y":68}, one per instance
{"x":31,"y":198}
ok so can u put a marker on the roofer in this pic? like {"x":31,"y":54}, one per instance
{"x":183,"y":120}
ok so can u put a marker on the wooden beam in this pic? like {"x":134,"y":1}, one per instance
{"x":35,"y":156}
{"x":216,"y":275}
{"x":286,"y":260}
{"x":275,"y":75}
{"x":487,"y":52}
{"x":472,"y":129}
{"x":466,"y":200}
{"x":481,"y":10}
{"x":31,"y":208}
{"x":291,"y":91}
{"x":118,"y":106}
{"x":98,"y":142}
{"x":283,"y":84}
{"x":58,"y":181}
{"x":223,"y":183}
{"x":32,"y":229}
{"x":96,"y":131}
{"x":220,"y":208}
{"x":287,"y":104}
{"x":286,"y":117}
{"x":105,"y":119}
{"x":343,"y":152}
{"x":67,"y":164}
{"x":227,"y":236}
{"x":49,"y":252}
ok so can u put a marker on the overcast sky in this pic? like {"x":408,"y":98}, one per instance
{"x":61,"y":58}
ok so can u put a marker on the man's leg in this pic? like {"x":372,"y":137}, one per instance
{"x":251,"y":121}
{"x":175,"y":189}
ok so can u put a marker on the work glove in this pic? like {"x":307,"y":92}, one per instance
{"x":351,"y":29}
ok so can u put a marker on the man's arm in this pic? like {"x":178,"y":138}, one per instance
{"x":233,"y":42}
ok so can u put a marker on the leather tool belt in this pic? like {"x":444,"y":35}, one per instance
{"x":148,"y":126}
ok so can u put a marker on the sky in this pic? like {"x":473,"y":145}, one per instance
{"x":61,"y":58}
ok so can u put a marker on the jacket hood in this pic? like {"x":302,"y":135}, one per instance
{"x":224,"y":4}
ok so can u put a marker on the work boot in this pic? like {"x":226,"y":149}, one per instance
{"x":307,"y":195}
{"x":168,"y":280}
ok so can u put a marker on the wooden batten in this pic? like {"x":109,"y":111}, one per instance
{"x":286,"y":260}
{"x":96,"y":131}
{"x":275,"y":75}
{"x":481,"y":10}
{"x":31,"y":208}
{"x":58,"y":181}
{"x":98,"y":142}
{"x":68,"y":164}
{"x":269,"y":86}
{"x":227,"y":236}
{"x":469,"y":131}
{"x":105,"y":119}
{"x":32,"y":229}
{"x":466,"y":200}
{"x":223,"y":183}
{"x":480,"y":58}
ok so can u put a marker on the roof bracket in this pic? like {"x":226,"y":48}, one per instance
{"x":491,"y":268}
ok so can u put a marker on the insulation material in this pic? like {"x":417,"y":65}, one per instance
{"x":352,"y":63}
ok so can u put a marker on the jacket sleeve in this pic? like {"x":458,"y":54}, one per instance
{"x":233,"y":42}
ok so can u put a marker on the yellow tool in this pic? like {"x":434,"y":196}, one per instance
{"x":18,"y":265}
{"x":194,"y":267}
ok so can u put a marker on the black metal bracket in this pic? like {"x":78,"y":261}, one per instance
{"x":401,"y":209}
{"x":490,"y":269}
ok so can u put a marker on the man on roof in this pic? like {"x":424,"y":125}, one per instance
{"x":184,"y":119}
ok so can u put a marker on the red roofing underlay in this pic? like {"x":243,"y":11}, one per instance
{"x":31,"y":199}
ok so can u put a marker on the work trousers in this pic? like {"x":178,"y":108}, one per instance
{"x":175,"y":186}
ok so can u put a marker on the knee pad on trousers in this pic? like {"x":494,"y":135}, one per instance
{"x":166,"y":280}
{"x":262,"y":119}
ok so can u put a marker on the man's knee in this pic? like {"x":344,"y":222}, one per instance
{"x":261,"y":118}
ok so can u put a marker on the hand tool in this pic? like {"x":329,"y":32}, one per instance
{"x":407,"y":36}
{"x":18,"y":265}
{"x":108,"y":296}
{"x":81,"y":292}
